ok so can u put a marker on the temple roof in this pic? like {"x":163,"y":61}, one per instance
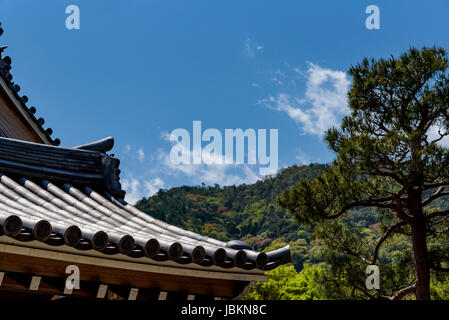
{"x":70,"y":200}
{"x":65,"y":198}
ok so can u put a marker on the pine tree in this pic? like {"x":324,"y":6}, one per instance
{"x":389,"y":156}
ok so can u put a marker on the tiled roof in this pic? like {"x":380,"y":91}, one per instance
{"x":57,"y":206}
{"x":73,"y":197}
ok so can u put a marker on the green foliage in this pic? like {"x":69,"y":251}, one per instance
{"x":380,"y":184}
{"x":344,"y":249}
{"x":388,"y":158}
{"x":309,"y":246}
{"x":440,"y":287}
{"x":285,"y":284}
{"x":246,"y":212}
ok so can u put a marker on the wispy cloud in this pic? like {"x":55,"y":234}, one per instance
{"x":324,"y":102}
{"x":251,"y":48}
{"x":279,"y":77}
{"x":434,"y":133}
{"x":136,"y":189}
{"x":159,"y":168}
{"x":140,"y":155}
{"x":153,"y":186}
{"x":208,"y":172}
{"x":302,"y":158}
{"x":278,"y":81}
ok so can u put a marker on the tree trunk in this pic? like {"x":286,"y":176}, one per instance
{"x":421,"y":258}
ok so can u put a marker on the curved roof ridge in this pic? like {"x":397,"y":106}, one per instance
{"x":64,"y":216}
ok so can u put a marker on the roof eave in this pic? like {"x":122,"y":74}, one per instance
{"x":25,"y":114}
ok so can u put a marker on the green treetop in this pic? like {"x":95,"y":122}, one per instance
{"x":389,"y":157}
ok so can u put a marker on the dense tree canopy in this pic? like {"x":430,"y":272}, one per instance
{"x":249,"y":213}
{"x":389,"y":157}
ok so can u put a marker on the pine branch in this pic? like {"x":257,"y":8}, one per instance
{"x":366,"y":292}
{"x":437,"y":194}
{"x":435,"y":185}
{"x":437,"y":214}
{"x":385,"y":237}
{"x":363,"y":203}
{"x":439,"y":269}
{"x":403,"y":292}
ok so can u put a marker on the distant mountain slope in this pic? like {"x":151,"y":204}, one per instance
{"x":247,"y":212}
{"x":250,"y":213}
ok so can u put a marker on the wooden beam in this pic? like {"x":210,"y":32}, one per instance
{"x":163,"y":295}
{"x":41,"y":250}
{"x":16,"y":280}
{"x":118,"y":292}
{"x":23,"y":296}
{"x":148,"y":294}
{"x":245,"y":288}
{"x":35,"y":282}
{"x":204,"y":297}
{"x":13,"y":281}
{"x":59,"y":284}
{"x":67,"y":291}
{"x":52,"y":288}
{"x":115,"y":276}
{"x":177,"y":296}
{"x":133,"y":294}
{"x":102,"y":290}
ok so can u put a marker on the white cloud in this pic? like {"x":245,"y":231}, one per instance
{"x":251,"y":47}
{"x":140,"y":155}
{"x":136,"y":190}
{"x":153,"y":186}
{"x":324,"y":103}
{"x":165,"y":135}
{"x":277,"y":81}
{"x":302,"y":158}
{"x":132,"y":188}
{"x":151,"y":179}
{"x":208,"y":172}
{"x":433,"y":134}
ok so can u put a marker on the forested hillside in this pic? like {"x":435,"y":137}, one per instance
{"x":246,"y":212}
{"x":251,"y":213}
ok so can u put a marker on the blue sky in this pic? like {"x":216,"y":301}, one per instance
{"x":136,"y":70}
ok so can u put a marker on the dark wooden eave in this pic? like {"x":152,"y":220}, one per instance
{"x":76,"y":166}
{"x":20,"y":269}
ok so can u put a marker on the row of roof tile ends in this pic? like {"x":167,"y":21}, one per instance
{"x":87,"y":220}
{"x":5,"y":73}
